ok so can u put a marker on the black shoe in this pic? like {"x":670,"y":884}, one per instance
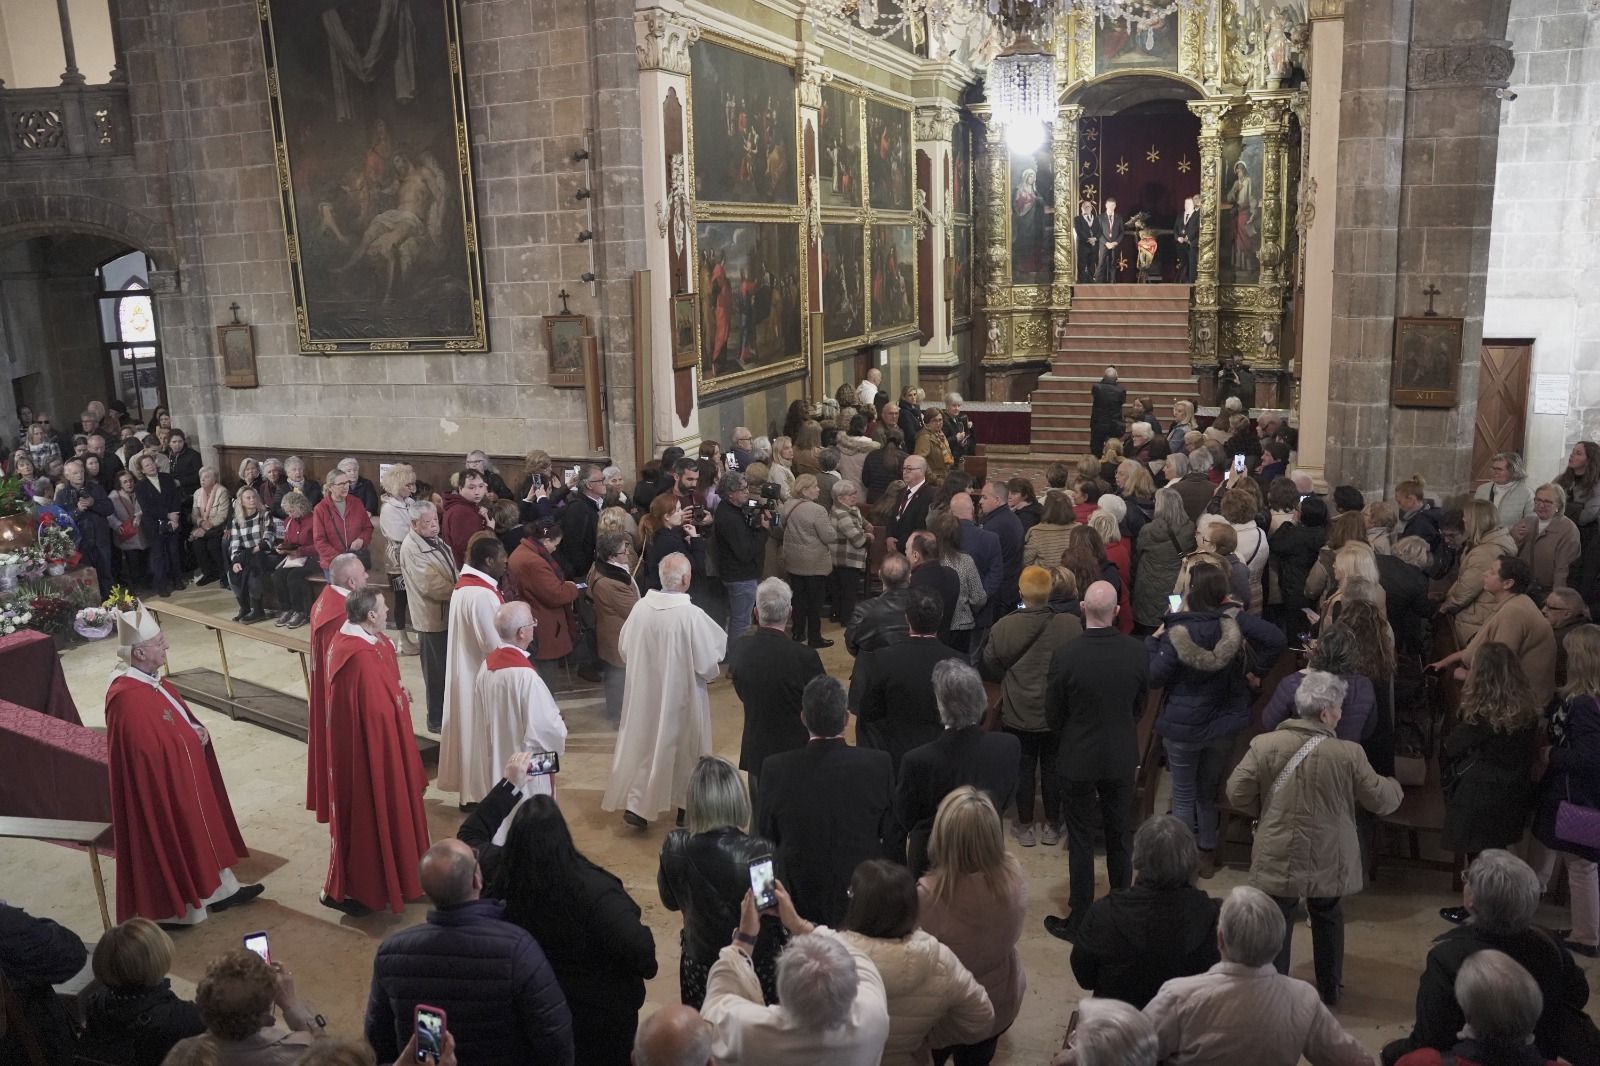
{"x":1455,"y":915}
{"x":466,"y":808}
{"x":435,"y":728}
{"x":1330,"y":999}
{"x":245,"y":894}
{"x":1062,"y":928}
{"x":240,"y":617}
{"x":283,"y":619}
{"x":301,"y":619}
{"x":680,"y":817}
{"x":203,"y":582}
{"x":257,"y":615}
{"x":1588,"y":951}
{"x":633,"y":821}
{"x":344,"y":906}
{"x":173,"y":927}
{"x":820,"y":644}
{"x":589,"y":673}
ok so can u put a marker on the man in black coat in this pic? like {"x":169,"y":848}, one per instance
{"x":36,"y":953}
{"x":1086,"y":229}
{"x":1002,"y":521}
{"x":881,"y":621}
{"x":1105,"y":416}
{"x":898,"y":709}
{"x":911,"y":511}
{"x":1095,"y":698}
{"x":580,"y":521}
{"x":1502,"y":894}
{"x":769,"y":673}
{"x":961,"y":755}
{"x":827,"y":808}
{"x":1110,"y":238}
{"x":1403,"y":577}
{"x":1186,"y":232}
{"x":927,"y":572}
{"x":911,"y":417}
{"x":741,"y":546}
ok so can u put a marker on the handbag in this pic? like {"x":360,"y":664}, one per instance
{"x":127,"y":531}
{"x":1577,"y":824}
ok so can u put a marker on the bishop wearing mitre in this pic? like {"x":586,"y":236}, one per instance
{"x":513,"y":710}
{"x":375,"y":777}
{"x":176,"y":837}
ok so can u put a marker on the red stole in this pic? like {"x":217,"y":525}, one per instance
{"x":378,"y":828}
{"x":471,"y":581}
{"x":327,"y":615}
{"x":506,"y":657}
{"x":175,"y":830}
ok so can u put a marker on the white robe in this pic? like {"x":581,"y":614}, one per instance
{"x":471,"y":636}
{"x":512,"y":711}
{"x":671,"y":648}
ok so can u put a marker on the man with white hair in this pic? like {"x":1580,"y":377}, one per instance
{"x":360,"y":487}
{"x":675,"y":1035}
{"x":429,"y":569}
{"x":1502,"y":1004}
{"x":1244,"y":1010}
{"x":769,"y":673}
{"x":177,"y":840}
{"x":672,"y":649}
{"x":1109,"y":1033}
{"x":1304,"y":482}
{"x":1140,"y":434}
{"x":1105,"y":417}
{"x":345,"y":575}
{"x":512,"y":709}
{"x":867,"y":391}
{"x":832,"y":1007}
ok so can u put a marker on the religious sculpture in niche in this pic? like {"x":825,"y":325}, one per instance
{"x":894,"y":279}
{"x":889,"y":169}
{"x":1239,"y":261}
{"x":744,"y":127}
{"x":374,"y":167}
{"x":751,"y":295}
{"x":1033,"y":205}
{"x":843,"y":288}
{"x":840,"y":140}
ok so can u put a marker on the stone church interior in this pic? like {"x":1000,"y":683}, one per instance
{"x":1313,"y":278}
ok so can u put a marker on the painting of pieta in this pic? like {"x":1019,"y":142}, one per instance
{"x":1239,"y":233}
{"x":370,"y":127}
{"x":1033,"y":207}
{"x":744,"y":127}
{"x":1135,"y":44}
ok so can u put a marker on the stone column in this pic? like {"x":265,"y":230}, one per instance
{"x":1203,"y":314}
{"x":72,"y":75}
{"x":663,"y":53}
{"x":937,"y":365}
{"x":810,"y":76}
{"x":1066,"y":157}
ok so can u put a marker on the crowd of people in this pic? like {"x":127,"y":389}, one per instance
{"x":1004,"y":644}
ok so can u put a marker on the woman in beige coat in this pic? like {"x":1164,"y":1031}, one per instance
{"x":808,"y":536}
{"x":1549,"y":539}
{"x":934,"y":1001}
{"x":210,"y":514}
{"x":1303,"y":785}
{"x":1483,"y":541}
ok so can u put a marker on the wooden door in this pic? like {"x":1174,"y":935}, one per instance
{"x":1502,"y":420}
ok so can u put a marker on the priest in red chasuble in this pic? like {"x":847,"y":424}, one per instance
{"x":327,"y":615}
{"x":375,"y":776}
{"x":177,"y":840}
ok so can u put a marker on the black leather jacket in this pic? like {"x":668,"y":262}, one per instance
{"x":705,"y":875}
{"x":879,"y":622}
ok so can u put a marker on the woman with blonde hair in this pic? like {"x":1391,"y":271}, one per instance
{"x":974,"y":900}
{"x":618,"y":520}
{"x":1483,"y":539}
{"x":1110,"y":458}
{"x":1380,"y":517}
{"x":780,"y":471}
{"x":1344,"y":529}
{"x":1355,"y":576}
{"x":808,"y":448}
{"x":209,"y":521}
{"x":1119,"y":553}
{"x":1572,"y":775}
{"x":131,"y":1014}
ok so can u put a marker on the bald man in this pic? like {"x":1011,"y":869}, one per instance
{"x":1096,"y":695}
{"x":675,"y":1035}
{"x":512,"y":710}
{"x":505,"y":1009}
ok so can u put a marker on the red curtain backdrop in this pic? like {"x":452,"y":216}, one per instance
{"x":1146,"y":163}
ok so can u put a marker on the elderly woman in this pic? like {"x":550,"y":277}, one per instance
{"x":934,"y":446}
{"x":159,"y":504}
{"x":946,"y":529}
{"x":1163,"y":543}
{"x":1303,"y":785}
{"x":128,"y":530}
{"x":1483,"y":539}
{"x":1501,"y":1003}
{"x":613,"y":592}
{"x":1109,"y":1033}
{"x":394,"y":519}
{"x":209,"y":517}
{"x":933,"y":999}
{"x":1548,"y":540}
{"x":297,"y":558}
{"x":250,"y":477}
{"x":82,"y":497}
{"x":1119,"y":554}
{"x":1129,"y":943}
{"x":253,"y":558}
{"x":1507,"y":489}
{"x":131,"y":1014}
{"x":276,"y":485}
{"x":850,"y":549}
{"x":705,"y":873}
{"x":808,"y":536}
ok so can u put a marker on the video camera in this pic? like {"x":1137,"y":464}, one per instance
{"x":765,"y":503}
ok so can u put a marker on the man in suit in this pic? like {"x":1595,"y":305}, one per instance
{"x":927,"y":572}
{"x":580,"y":521}
{"x":1002,"y":521}
{"x":826,"y":808}
{"x":1187,"y":235}
{"x":1086,"y":228}
{"x":910,"y":418}
{"x":1095,"y":698}
{"x":769,"y":673}
{"x":1105,"y":415}
{"x":1110,"y":238}
{"x":881,"y":621}
{"x":962,"y":755}
{"x":984,"y":547}
{"x":911,"y":513}
{"x":898,"y":709}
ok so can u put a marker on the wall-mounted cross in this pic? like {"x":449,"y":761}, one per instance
{"x":234,"y":307}
{"x":564,"y":296}
{"x":1430,"y":292}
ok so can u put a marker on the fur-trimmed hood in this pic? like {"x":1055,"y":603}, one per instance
{"x":1197,"y":656}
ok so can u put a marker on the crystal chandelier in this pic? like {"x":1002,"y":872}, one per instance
{"x":1008,"y":21}
{"x":1021,"y":87}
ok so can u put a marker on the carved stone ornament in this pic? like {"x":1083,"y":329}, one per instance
{"x":814,"y":208}
{"x":921,"y":217}
{"x":664,"y":42}
{"x":936,"y":122}
{"x":673,"y":217}
{"x":810,"y":76}
{"x":1474,"y":63}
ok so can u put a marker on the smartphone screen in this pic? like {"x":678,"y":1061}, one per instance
{"x":763,"y":884}
{"x":1238,"y":463}
{"x":257,"y":942}
{"x":581,"y":584}
{"x":1174,"y":601}
{"x":541,"y":763}
{"x":430,"y":1033}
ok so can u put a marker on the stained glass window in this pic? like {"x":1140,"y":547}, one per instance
{"x":135,"y":321}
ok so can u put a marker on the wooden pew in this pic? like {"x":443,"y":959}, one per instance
{"x":87,"y":835}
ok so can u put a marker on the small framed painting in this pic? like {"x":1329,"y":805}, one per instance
{"x":685,"y":331}
{"x":238,"y":347}
{"x":1427,"y":359}
{"x":563,"y":339}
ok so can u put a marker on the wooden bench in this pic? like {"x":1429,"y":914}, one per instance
{"x":88,"y":835}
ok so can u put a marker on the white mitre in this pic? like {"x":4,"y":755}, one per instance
{"x":134,"y":627}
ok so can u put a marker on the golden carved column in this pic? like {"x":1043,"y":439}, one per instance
{"x":1274,"y":136}
{"x":1066,"y":160}
{"x":1203,"y":315}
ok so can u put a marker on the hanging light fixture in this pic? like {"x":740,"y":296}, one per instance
{"x":1021,"y":87}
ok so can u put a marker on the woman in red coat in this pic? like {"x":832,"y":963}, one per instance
{"x":1119,"y":552}
{"x":543,"y":586}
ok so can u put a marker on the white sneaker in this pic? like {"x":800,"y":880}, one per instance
{"x":1049,"y":835}
{"x":1025,"y":835}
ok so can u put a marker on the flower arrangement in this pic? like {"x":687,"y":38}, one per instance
{"x":14,"y":497}
{"x":14,"y":617}
{"x":52,"y":613}
{"x":94,"y":623}
{"x":120,"y":600}
{"x":53,"y":542}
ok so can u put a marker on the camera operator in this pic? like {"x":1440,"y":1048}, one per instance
{"x":740,"y":539}
{"x":686,"y":486}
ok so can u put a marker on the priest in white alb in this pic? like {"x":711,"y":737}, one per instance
{"x":671,"y":648}
{"x":472,"y":636}
{"x":512,"y":709}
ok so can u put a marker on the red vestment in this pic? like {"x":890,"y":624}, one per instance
{"x":376,"y":779}
{"x":175,"y":830}
{"x":327,"y":615}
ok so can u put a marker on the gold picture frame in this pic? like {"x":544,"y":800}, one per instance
{"x":236,"y":344}
{"x":1427,"y":361}
{"x":685,"y":331}
{"x":563,"y":343}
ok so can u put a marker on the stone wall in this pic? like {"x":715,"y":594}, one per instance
{"x":1544,"y":256}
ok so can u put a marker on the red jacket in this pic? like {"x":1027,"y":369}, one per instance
{"x":541,"y":586}
{"x":332,"y":535}
{"x":299,"y":537}
{"x":458,"y":521}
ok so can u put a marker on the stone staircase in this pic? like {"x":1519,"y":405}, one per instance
{"x":1142,"y":330}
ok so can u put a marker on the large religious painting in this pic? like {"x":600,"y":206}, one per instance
{"x":840,"y":138}
{"x":894,"y":278}
{"x":1033,"y":205}
{"x":1427,"y":356}
{"x":1130,"y":45}
{"x":961,"y":169}
{"x":744,"y":127}
{"x":1260,"y":48}
{"x":843,"y":287}
{"x":1239,"y":231}
{"x":961,"y":273}
{"x":889,"y":167}
{"x":750,"y":295}
{"x":369,"y":120}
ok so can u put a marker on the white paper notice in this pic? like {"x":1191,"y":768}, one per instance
{"x":1552,"y":394}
